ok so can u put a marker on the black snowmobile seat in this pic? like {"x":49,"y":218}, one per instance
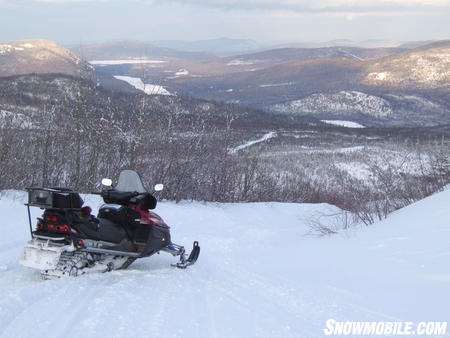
{"x":126,"y":217}
{"x":87,"y":222}
{"x":100,"y":229}
{"x":110,"y":231}
{"x":112,"y":212}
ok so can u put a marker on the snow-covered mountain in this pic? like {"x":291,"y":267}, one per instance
{"x":258,"y":275}
{"x":39,"y":57}
{"x":340,"y":104}
{"x":425,"y":67}
{"x":380,"y":86}
{"x":381,"y":109}
{"x":402,"y":87}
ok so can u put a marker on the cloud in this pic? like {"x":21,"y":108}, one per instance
{"x":68,"y":1}
{"x":277,"y":4}
{"x":294,"y":6}
{"x":317,"y":5}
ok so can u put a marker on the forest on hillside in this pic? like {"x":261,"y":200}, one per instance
{"x":66,"y":132}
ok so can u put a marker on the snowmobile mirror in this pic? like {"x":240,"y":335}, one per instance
{"x":107,"y":182}
{"x":158,"y":187}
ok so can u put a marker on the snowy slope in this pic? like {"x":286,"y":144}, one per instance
{"x":257,"y":276}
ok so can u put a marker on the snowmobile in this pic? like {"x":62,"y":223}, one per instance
{"x":69,"y":241}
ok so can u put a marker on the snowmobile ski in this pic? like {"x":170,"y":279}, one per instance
{"x":178,"y":250}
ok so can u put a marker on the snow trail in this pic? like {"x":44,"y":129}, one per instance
{"x":258,"y":276}
{"x":250,"y":143}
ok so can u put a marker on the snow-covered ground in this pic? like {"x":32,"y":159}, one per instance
{"x":6,"y":48}
{"x":277,"y":84}
{"x":182,"y":72}
{"x":147,"y":88}
{"x":341,"y":123}
{"x":258,"y":275}
{"x":240,"y":62}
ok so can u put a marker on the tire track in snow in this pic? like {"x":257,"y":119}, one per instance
{"x":11,"y":246}
{"x":208,"y":303}
{"x":48,"y":308}
{"x":262,"y":297}
{"x":17,"y":295}
{"x":300,"y":308}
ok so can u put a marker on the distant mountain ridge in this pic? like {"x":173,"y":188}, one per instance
{"x":412,"y":85}
{"x":130,"y":49}
{"x":221,"y":46}
{"x":372,"y":86}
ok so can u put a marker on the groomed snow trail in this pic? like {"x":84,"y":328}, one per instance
{"x":250,"y":143}
{"x":257,"y":276}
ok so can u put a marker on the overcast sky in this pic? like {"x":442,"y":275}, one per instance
{"x":270,"y":21}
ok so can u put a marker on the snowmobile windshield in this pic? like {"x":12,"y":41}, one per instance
{"x":129,"y":180}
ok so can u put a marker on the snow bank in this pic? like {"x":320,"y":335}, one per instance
{"x":258,"y":275}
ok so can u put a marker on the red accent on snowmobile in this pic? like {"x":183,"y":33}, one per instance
{"x":148,"y":217}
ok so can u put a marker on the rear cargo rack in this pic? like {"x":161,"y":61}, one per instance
{"x":52,"y":198}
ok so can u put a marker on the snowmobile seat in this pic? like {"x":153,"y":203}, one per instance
{"x":110,"y":211}
{"x":91,"y":222}
{"x":108,"y":231}
{"x":119,"y":214}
